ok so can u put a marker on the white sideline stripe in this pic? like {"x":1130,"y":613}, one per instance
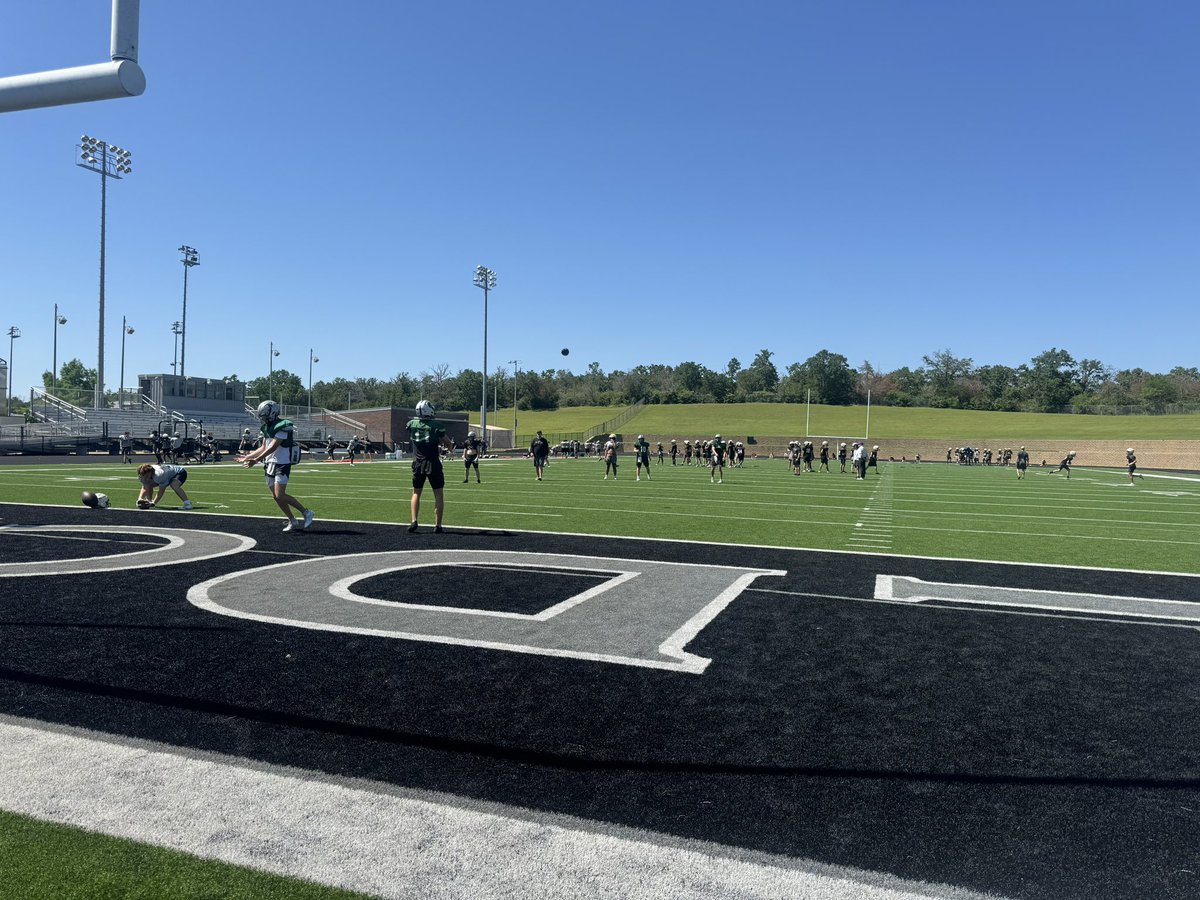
{"x":462,"y":526}
{"x":383,"y":840}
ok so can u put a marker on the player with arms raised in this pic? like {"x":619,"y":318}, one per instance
{"x":278,"y":452}
{"x":427,"y":436}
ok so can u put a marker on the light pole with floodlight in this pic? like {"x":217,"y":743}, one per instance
{"x":485,"y":278}
{"x":126,"y":328}
{"x":311,"y":359}
{"x":108,"y":162}
{"x":271,"y":376}
{"x":58,"y":320}
{"x":13,"y":333}
{"x":190,"y":258}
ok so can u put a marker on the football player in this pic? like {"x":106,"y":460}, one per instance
{"x":1068,"y":461}
{"x":539,"y":450}
{"x":161,"y":477}
{"x":1131,"y":463}
{"x":471,"y":457}
{"x":674,"y":450}
{"x":610,"y":457}
{"x":427,"y":435}
{"x":278,"y":452}
{"x":824,"y":467}
{"x":1022,"y":462}
{"x":717,"y":460}
{"x":641,"y":452}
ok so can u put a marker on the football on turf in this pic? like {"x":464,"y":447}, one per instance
{"x":144,"y":504}
{"x":88,"y":498}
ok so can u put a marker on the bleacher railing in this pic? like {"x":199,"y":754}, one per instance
{"x":604,"y":428}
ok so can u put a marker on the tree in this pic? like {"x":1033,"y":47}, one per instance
{"x":765,"y":372}
{"x":827,"y":375}
{"x":1051,"y":380}
{"x":74,"y":380}
{"x":1157,"y":391}
{"x":944,"y":370}
{"x":435,"y":384}
{"x":1090,"y":374}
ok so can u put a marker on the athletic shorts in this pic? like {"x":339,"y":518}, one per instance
{"x":539,"y":462}
{"x":427,"y":470}
{"x":277,"y":473}
{"x":469,"y":461}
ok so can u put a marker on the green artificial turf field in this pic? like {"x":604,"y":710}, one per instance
{"x":887,"y":422}
{"x":41,"y":861}
{"x":932,"y":509}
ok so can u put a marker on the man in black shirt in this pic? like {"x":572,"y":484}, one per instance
{"x":539,"y":450}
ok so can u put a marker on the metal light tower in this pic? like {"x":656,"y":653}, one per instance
{"x":485,"y":278}
{"x":271,"y":376}
{"x":176,"y":329}
{"x":516,"y":364}
{"x":58,"y":320}
{"x":13,"y":334}
{"x":311,"y":359}
{"x":190,"y":258}
{"x":108,"y":162}
{"x":126,"y":328}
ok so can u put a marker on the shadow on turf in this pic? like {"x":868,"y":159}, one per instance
{"x":572,"y":762}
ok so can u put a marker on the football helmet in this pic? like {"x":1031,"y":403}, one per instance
{"x":470,"y":434}
{"x":425,"y":410}
{"x":268,"y":411}
{"x":102,"y":501}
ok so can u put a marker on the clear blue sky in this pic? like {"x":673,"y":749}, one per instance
{"x":652,"y":182}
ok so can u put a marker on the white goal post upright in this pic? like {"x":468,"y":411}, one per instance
{"x":121,"y":77}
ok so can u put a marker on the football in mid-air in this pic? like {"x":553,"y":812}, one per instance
{"x":94,"y":500}
{"x":566,"y":352}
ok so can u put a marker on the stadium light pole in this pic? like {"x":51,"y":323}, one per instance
{"x":58,"y":320}
{"x":126,"y":328}
{"x":108,"y":162}
{"x":271,"y":375}
{"x":311,"y":359}
{"x":516,"y":364}
{"x":485,"y":279}
{"x":190,"y":258}
{"x":13,"y":333}
{"x":176,"y":329}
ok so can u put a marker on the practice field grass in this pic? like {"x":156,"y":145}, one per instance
{"x":887,"y":422}
{"x":1094,"y":519}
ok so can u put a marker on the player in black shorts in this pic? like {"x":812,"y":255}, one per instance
{"x":471,"y":452}
{"x":428,"y":436}
{"x":1068,"y":461}
{"x":687,"y":453}
{"x":824,"y":466}
{"x":1131,"y":463}
{"x":1022,"y":462}
{"x":674,"y":451}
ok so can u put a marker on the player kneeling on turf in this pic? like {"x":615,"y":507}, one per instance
{"x":278,"y":453}
{"x":161,"y":477}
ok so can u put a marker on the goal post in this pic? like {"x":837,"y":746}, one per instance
{"x":120,"y":77}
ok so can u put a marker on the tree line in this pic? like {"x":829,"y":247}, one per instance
{"x":1052,"y":381}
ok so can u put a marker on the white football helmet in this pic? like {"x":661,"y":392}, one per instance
{"x":268,"y":410}
{"x":425,"y":410}
{"x":470,"y":434}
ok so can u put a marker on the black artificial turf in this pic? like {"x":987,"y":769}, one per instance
{"x":1025,"y":755}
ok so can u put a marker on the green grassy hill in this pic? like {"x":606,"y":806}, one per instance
{"x":785,"y":419}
